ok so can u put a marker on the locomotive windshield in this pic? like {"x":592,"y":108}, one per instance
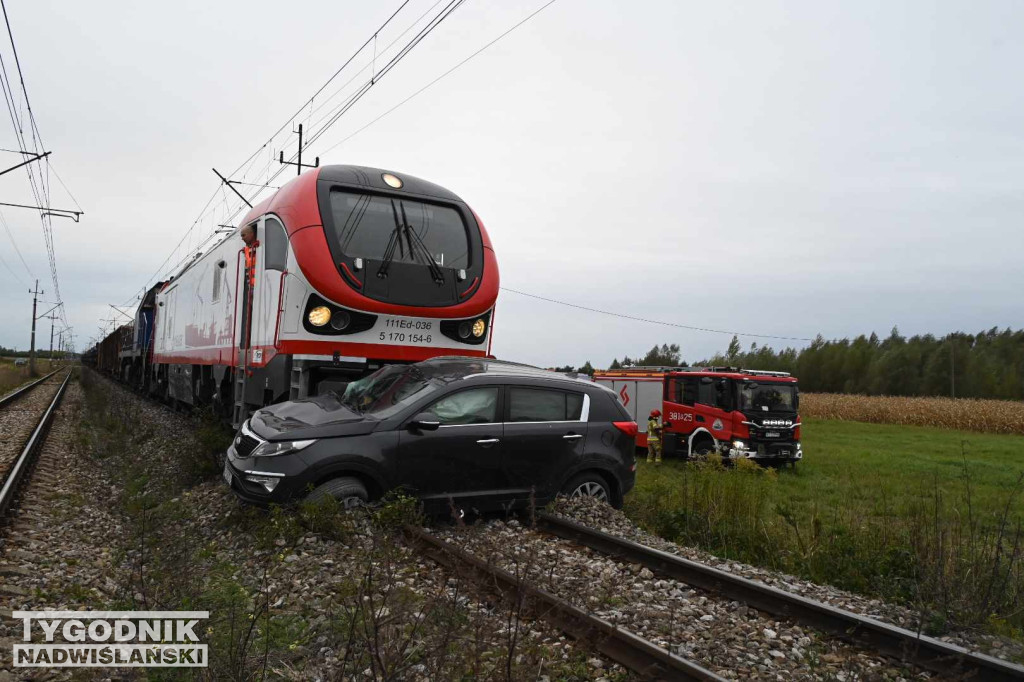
{"x":364,"y":226}
{"x":768,"y":397}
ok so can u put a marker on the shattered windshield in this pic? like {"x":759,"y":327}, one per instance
{"x":387,"y":390}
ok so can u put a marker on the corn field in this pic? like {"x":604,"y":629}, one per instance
{"x":965,"y":414}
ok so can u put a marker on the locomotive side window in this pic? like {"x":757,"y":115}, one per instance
{"x":365,"y":226}
{"x":218,"y":275}
{"x":275,"y":255}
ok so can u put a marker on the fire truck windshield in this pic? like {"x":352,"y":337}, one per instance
{"x":768,"y":397}
{"x":363,"y":225}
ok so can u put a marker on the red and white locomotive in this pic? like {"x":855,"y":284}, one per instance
{"x":355,"y":268}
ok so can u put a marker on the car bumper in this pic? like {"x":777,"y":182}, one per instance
{"x":264,"y":480}
{"x":776,"y":452}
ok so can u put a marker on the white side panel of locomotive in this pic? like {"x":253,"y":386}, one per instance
{"x":195,"y":313}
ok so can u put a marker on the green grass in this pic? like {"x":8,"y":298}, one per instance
{"x":880,"y":469}
{"x":925,"y":516}
{"x":12,"y":377}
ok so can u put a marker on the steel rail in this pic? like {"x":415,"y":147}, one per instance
{"x":16,"y":474}
{"x":921,"y":650}
{"x":623,"y":647}
{"x":19,"y":392}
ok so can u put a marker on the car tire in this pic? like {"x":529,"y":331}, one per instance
{"x":349,"y":492}
{"x":589,"y":484}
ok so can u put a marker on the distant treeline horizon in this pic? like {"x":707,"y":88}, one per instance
{"x":15,"y":353}
{"x":989,"y":364}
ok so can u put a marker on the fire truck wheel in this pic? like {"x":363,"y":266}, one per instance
{"x":349,"y":492}
{"x":588,"y":484}
{"x":702,"y":448}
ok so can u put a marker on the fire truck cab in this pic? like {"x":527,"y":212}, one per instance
{"x":737,"y":413}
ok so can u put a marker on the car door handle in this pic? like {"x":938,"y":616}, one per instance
{"x":572,"y":436}
{"x":488,"y":441}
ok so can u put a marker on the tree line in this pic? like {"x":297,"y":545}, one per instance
{"x":15,"y":353}
{"x":989,"y":364}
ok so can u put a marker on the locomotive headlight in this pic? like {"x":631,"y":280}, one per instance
{"x":464,"y":330}
{"x":319,"y":316}
{"x":479,"y":327}
{"x":340,"y":320}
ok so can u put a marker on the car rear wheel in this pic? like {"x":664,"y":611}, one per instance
{"x":349,"y":492}
{"x":588,"y":485}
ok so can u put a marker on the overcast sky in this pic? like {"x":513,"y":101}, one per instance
{"x":784,"y":168}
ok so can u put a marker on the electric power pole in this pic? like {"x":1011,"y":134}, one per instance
{"x":32,"y":348}
{"x":51,"y":317}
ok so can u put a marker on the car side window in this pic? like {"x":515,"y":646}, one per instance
{"x":472,"y":406}
{"x":539,"y":405}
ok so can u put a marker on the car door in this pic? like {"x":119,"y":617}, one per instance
{"x":545,"y":434}
{"x":462,"y":458}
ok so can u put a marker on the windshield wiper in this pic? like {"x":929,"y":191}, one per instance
{"x":414,"y":240}
{"x":389,"y":252}
{"x":435,"y":269}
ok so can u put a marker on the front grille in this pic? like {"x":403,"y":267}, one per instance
{"x":244,"y":445}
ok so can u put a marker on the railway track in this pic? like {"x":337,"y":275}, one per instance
{"x":21,"y":430}
{"x":911,"y":647}
{"x":648,"y":654}
{"x":640,"y":652}
{"x":635,"y":653}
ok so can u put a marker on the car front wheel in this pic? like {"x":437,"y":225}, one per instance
{"x":588,"y":485}
{"x":349,"y":492}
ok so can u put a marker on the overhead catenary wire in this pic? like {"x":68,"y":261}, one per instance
{"x":32,"y":143}
{"x":13,"y":273}
{"x":252,"y":159}
{"x":10,"y":236}
{"x":442,"y":76}
{"x":650,"y":321}
{"x":443,"y":14}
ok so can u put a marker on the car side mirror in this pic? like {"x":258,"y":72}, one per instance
{"x":425,"y":421}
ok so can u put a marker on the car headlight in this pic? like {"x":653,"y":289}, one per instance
{"x":479,"y":327}
{"x":319,"y":316}
{"x":281,"y":447}
{"x":739,"y":445}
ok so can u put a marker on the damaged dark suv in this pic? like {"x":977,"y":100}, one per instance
{"x":477,"y":433}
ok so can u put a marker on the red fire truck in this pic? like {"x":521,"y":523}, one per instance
{"x":738,"y":413}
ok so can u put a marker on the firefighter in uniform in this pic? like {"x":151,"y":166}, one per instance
{"x":654,"y":437}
